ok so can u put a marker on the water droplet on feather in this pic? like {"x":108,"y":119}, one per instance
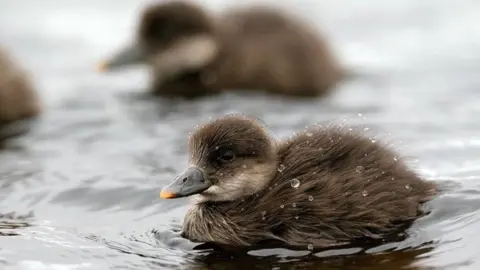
{"x":295,"y":183}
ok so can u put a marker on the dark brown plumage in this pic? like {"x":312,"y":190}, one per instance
{"x":325,"y":186}
{"x":18,"y":98}
{"x":194,"y":53}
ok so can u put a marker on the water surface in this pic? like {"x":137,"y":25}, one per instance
{"x":81,"y":190}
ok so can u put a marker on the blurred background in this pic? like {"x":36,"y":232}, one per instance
{"x":81,"y":190}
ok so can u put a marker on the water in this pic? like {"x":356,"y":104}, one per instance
{"x":91,"y":171}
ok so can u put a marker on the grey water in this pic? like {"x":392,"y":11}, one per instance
{"x":81,"y":190}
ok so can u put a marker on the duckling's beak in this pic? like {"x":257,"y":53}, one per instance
{"x":128,"y":56}
{"x":188,"y":183}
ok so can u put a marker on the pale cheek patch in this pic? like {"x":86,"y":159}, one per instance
{"x":187,"y":54}
{"x":255,"y":178}
{"x":247,"y":182}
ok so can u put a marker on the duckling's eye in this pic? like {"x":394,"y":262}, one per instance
{"x":227,"y":156}
{"x":167,"y":32}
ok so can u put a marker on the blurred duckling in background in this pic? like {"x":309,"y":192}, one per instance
{"x":19,"y":102}
{"x":192,"y":53}
{"x":323,"y":187}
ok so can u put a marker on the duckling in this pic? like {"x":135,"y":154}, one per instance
{"x":323,"y":187}
{"x":194,"y":53}
{"x":18,"y":99}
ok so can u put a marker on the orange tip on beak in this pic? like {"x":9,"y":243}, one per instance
{"x":167,"y":195}
{"x":102,"y":67}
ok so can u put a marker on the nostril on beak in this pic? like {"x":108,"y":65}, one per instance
{"x":184,"y":179}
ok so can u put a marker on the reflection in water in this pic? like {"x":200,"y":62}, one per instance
{"x":164,"y":248}
{"x":337,"y":259}
{"x":11,"y":223}
{"x":16,"y":128}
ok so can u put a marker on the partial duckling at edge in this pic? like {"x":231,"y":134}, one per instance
{"x":324,"y":187}
{"x":193,"y":53}
{"x":19,"y":101}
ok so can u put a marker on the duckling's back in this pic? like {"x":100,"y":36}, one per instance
{"x":265,"y":48}
{"x":336,"y":186}
{"x":18,"y":98}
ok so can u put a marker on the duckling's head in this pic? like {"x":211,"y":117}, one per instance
{"x":173,"y":37}
{"x":229,"y":158}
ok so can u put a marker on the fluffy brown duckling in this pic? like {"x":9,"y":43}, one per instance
{"x":323,"y":187}
{"x":193,"y":53}
{"x":18,"y":98}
